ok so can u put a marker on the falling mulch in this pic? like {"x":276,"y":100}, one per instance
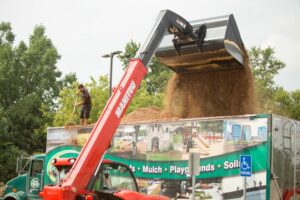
{"x":205,"y":94}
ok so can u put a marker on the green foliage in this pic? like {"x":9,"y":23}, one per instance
{"x":158,"y":74}
{"x":31,"y":68}
{"x":143,"y":99}
{"x":26,"y":123}
{"x":30,"y":84}
{"x":295,"y":104}
{"x":287,"y":103}
{"x":265,"y":66}
{"x":151,"y":91}
{"x":99,"y":91}
{"x":272,"y":99}
{"x":6,"y":34}
{"x":9,"y":152}
{"x":8,"y":158}
{"x":158,"y":77}
{"x":66,"y":110}
{"x":67,"y":113}
{"x":68,"y":80}
{"x":130,"y":50}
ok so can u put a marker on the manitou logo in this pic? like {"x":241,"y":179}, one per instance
{"x":125,"y":99}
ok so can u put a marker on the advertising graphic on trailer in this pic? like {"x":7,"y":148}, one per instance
{"x":158,"y":153}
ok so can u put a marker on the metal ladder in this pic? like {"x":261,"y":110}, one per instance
{"x":292,"y":138}
{"x":296,"y":157}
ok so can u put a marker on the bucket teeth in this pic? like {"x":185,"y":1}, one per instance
{"x":218,"y":46}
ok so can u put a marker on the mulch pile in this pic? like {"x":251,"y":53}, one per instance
{"x":206,"y":94}
{"x":149,"y":114}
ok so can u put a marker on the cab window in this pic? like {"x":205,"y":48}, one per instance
{"x":114,"y":176}
{"x":23,"y":165}
{"x":37,"y":167}
{"x":25,"y":168}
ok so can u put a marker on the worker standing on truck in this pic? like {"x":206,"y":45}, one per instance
{"x":85,"y":103}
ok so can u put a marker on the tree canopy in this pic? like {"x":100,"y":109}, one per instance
{"x":68,"y":114}
{"x":158,"y":74}
{"x":30,"y":84}
{"x":271,"y":97}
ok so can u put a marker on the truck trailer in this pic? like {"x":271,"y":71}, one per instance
{"x":157,"y":153}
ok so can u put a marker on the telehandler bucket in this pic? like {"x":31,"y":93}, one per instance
{"x":221,"y":48}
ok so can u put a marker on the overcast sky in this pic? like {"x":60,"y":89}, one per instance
{"x":82,"y":30}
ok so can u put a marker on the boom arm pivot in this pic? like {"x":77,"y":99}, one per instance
{"x":183,"y":32}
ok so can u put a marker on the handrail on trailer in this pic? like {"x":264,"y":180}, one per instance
{"x":288,"y":194}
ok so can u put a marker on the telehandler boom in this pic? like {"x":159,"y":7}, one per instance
{"x":77,"y":183}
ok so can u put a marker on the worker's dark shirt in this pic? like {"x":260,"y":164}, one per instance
{"x":85,"y":97}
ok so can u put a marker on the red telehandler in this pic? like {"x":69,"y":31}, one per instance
{"x":78,"y":182}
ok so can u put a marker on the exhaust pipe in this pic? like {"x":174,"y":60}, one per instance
{"x":222,"y":47}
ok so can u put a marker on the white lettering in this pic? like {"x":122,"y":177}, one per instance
{"x":152,"y":170}
{"x":231,"y":165}
{"x":118,"y":111}
{"x":178,"y":170}
{"x":207,"y":168}
{"x":128,"y":94}
{"x":132,"y":168}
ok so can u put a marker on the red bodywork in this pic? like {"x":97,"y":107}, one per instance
{"x":103,"y":131}
{"x":130,"y":195}
{"x":290,"y":193}
{"x":63,"y":162}
{"x":76,"y":181}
